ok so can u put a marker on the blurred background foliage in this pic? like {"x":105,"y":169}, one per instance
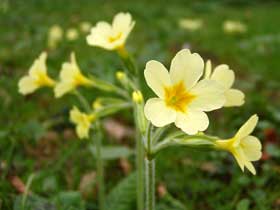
{"x":40,"y":153}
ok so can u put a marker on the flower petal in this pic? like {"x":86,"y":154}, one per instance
{"x":82,"y":131}
{"x":158,"y":113}
{"x":234,"y":97}
{"x":223,"y":75}
{"x":27,"y":85}
{"x":63,"y":88}
{"x":99,"y":35}
{"x":39,"y":66}
{"x":157,"y":77}
{"x":252,"y":148}
{"x":209,"y":95}
{"x":192,"y":121}
{"x":187,"y":67}
{"x":208,"y":70}
{"x":123,"y":23}
{"x":247,"y":128}
{"x":250,"y":167}
{"x":75,"y":115}
{"x":239,"y":157}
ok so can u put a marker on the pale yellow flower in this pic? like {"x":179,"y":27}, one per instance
{"x":37,"y":76}
{"x":111,"y":36}
{"x":244,"y":147}
{"x":191,"y":24}
{"x":55,"y":35}
{"x":85,"y":27}
{"x":82,"y":121}
{"x":225,"y":76}
{"x":231,"y":27}
{"x":181,"y":97}
{"x":72,"y":34}
{"x":70,"y":78}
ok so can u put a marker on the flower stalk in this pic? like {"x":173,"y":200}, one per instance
{"x":97,"y":139}
{"x":150,"y":171}
{"x":139,"y":158}
{"x":150,"y":184}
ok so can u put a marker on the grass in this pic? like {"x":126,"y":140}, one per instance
{"x":36,"y":136}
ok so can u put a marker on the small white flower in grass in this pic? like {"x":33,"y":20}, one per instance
{"x":85,"y":27}
{"x":191,"y":24}
{"x":244,"y":147}
{"x":72,"y":34}
{"x":111,"y":36}
{"x":182,"y":98}
{"x":225,"y":76}
{"x":234,"y":27}
{"x":55,"y":35}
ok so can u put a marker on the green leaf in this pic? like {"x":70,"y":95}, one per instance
{"x":33,"y":202}
{"x":69,"y":199}
{"x":123,"y":196}
{"x":113,"y":152}
{"x":243,"y":204}
{"x":170,"y":203}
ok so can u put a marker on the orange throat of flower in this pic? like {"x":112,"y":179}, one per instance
{"x":177,"y":97}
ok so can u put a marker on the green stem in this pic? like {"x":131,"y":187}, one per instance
{"x":96,"y":138}
{"x":83,"y":101}
{"x":150,"y":184}
{"x":140,"y":170}
{"x":139,"y":163}
{"x":99,"y":166}
{"x":150,"y":171}
{"x":133,"y":71}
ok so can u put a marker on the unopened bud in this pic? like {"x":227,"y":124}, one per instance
{"x":137,"y":96}
{"x":96,"y":104}
{"x":120,"y":75}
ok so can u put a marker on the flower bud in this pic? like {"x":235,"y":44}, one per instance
{"x":120,"y":75}
{"x":97,"y":104}
{"x":137,"y":96}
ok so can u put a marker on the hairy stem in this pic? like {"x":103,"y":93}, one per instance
{"x":150,"y":184}
{"x":97,"y":138}
{"x":150,"y":171}
{"x":140,"y":170}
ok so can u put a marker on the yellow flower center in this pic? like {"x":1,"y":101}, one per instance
{"x":177,"y":97}
{"x":44,"y":80}
{"x":115,"y":37}
{"x":81,"y":80}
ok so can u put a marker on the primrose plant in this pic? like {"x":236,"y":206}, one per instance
{"x":183,"y":96}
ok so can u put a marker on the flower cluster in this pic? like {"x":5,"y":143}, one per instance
{"x":70,"y":78}
{"x":184,"y":94}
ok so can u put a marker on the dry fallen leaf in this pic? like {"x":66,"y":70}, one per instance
{"x":117,"y":129}
{"x":17,"y":183}
{"x":69,"y":134}
{"x":87,"y":184}
{"x":209,"y":167}
{"x":161,"y":190}
{"x":125,"y":165}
